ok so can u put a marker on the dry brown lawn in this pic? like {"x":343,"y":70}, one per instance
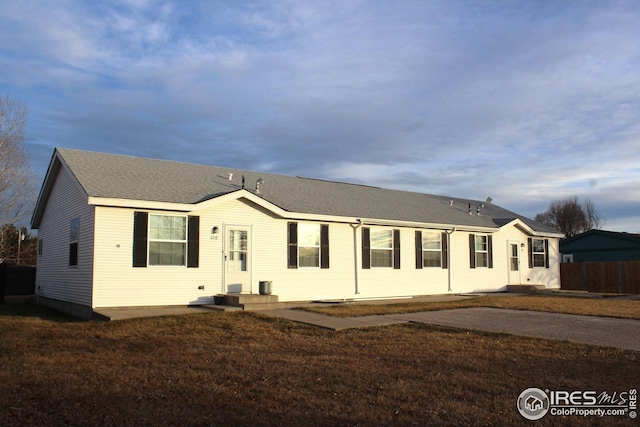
{"x":629,"y":309}
{"x":245,"y":369}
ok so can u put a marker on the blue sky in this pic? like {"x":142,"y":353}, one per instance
{"x":523,"y":101}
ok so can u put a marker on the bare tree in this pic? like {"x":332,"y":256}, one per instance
{"x":17,"y":246}
{"x":594,"y":219}
{"x":570,"y":217}
{"x":16,"y":192}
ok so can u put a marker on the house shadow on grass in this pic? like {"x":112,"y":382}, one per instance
{"x":25,"y":306}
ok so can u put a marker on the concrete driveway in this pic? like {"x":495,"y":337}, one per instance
{"x":593,"y":330}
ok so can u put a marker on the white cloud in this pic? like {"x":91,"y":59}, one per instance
{"x":523,"y":101}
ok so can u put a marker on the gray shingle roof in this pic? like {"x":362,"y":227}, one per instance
{"x":124,"y":177}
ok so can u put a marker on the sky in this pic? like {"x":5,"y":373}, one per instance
{"x":525,"y":102}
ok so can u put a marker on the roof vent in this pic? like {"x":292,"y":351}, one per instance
{"x":259,"y":182}
{"x":230,"y":176}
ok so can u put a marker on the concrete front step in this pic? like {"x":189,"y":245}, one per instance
{"x":262,"y":306}
{"x":525,"y":289}
{"x":251,"y":301}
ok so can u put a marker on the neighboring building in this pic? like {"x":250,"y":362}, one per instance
{"x":118,"y":231}
{"x":600,"y":245}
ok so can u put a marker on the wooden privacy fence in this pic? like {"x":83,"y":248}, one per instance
{"x":605,"y":277}
{"x":17,"y":281}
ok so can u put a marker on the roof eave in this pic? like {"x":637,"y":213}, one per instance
{"x":55,"y":165}
{"x":276,"y":210}
{"x":524,"y":227}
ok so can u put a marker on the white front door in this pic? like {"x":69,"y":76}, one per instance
{"x":237,"y":259}
{"x":514,"y":262}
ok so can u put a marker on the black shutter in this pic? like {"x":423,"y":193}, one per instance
{"x":193,"y":241}
{"x":490,"y":251}
{"x":419,"y":259}
{"x":396,"y":249}
{"x":530,"y":241}
{"x":472,"y":251}
{"x":293,"y":244}
{"x":140,"y":221}
{"x":324,"y":246}
{"x":546,"y":253}
{"x":366,"y":248}
{"x":445,"y":251}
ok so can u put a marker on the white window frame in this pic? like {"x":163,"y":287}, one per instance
{"x":480,"y":250}
{"x":308,"y":241}
{"x":380,"y":249}
{"x":539,"y":254}
{"x":153,"y":240}
{"x":426,"y":250}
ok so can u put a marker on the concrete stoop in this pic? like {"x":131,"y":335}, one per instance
{"x":250,"y":302}
{"x":525,"y":289}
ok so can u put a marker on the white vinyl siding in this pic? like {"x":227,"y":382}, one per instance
{"x":54,"y":278}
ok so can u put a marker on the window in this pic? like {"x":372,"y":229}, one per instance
{"x":538,"y":253}
{"x":432,"y":249}
{"x":480,"y":250}
{"x":308,"y":245}
{"x":160,"y":240}
{"x":167,"y":240}
{"x":74,"y":237}
{"x":380,"y":247}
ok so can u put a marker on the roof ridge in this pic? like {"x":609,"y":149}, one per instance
{"x":341,"y":182}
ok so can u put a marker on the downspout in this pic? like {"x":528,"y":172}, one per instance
{"x":449,"y":233}
{"x":355,"y":227}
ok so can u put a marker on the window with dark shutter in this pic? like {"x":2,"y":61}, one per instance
{"x":366,"y":248}
{"x":74,"y":238}
{"x":472,"y":251}
{"x":324,"y":246}
{"x":546,"y":253}
{"x":538,"y":253}
{"x":490,"y":251}
{"x":292,"y":238}
{"x":419,"y":249}
{"x":445,"y":251}
{"x":396,"y":249}
{"x":140,"y":226}
{"x":193,"y":241}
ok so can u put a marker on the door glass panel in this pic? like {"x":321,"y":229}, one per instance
{"x":237,"y":251}
{"x":514,"y":257}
